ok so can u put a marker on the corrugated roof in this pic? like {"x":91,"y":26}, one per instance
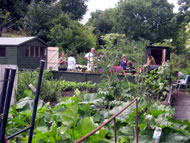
{"x":14,"y":41}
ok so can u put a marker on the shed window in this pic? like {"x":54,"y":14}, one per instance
{"x":36,"y":51}
{"x":2,"y":51}
{"x":42,"y":51}
{"x":27,"y":51}
{"x":32,"y":51}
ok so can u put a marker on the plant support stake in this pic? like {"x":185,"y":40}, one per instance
{"x":42,"y":62}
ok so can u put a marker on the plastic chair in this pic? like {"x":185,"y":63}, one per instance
{"x":183,"y":82}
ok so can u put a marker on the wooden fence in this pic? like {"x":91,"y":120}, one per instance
{"x":2,"y":71}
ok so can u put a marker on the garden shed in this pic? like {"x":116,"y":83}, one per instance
{"x":161,"y":54}
{"x":25,"y":52}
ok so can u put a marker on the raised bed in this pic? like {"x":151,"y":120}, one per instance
{"x":84,"y":77}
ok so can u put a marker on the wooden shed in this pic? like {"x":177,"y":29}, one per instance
{"x":161,"y":54}
{"x":25,"y":52}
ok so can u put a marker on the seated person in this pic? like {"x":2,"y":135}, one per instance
{"x":130,"y":66}
{"x":179,"y":74}
{"x":151,"y":64}
{"x":123,"y":62}
{"x":62,"y":63}
{"x":150,"y":60}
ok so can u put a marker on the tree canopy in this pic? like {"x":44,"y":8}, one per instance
{"x":71,"y":35}
{"x":148,"y":19}
{"x":75,"y":8}
{"x":152,"y":20}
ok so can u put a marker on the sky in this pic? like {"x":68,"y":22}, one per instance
{"x":94,"y":5}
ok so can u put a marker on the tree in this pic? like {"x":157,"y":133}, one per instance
{"x":10,"y":13}
{"x":182,"y":19}
{"x":4,"y":19}
{"x":149,"y":19}
{"x":70,"y":35}
{"x":37,"y":21}
{"x":184,"y":5}
{"x":104,"y":21}
{"x":75,"y":8}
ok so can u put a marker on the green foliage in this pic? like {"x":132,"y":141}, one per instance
{"x":103,"y":21}
{"x":38,"y":17}
{"x":75,"y":8}
{"x":148,"y":19}
{"x":117,"y":45}
{"x":180,"y":63}
{"x":68,"y":85}
{"x":69,"y":35}
{"x":76,"y":116}
{"x":156,"y":84}
{"x":80,"y":59}
{"x":50,"y":89}
{"x":166,"y":43}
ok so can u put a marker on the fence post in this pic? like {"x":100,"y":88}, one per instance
{"x":42,"y":62}
{"x":4,"y":91}
{"x":115,"y":130}
{"x":137,"y":140}
{"x":7,"y":105}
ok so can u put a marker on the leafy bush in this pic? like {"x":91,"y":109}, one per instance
{"x":69,"y":85}
{"x":155,"y":86}
{"x":50,"y":89}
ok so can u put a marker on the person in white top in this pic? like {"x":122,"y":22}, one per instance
{"x":90,"y":58}
{"x":71,"y":62}
{"x":179,"y":74}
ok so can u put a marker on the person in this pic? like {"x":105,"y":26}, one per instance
{"x":150,"y":60}
{"x":62,"y":63}
{"x":90,"y":58}
{"x":71,"y":62}
{"x":130,"y":66}
{"x":179,"y":74}
{"x":123,"y":62}
{"x":150,"y":64}
{"x":100,"y":57}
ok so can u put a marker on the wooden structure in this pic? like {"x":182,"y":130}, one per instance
{"x":2,"y":72}
{"x":160,"y":54}
{"x":84,"y":77}
{"x":52,"y":58}
{"x":25,"y":52}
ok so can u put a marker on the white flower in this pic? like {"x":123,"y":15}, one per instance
{"x":148,"y":117}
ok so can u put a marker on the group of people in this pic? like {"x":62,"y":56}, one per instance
{"x":124,"y":64}
{"x":65,"y":64}
{"x":70,"y":63}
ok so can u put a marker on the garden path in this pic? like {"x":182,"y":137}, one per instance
{"x":181,"y":103}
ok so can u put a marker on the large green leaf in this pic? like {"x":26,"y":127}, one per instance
{"x":70,"y":117}
{"x":27,"y":104}
{"x":125,"y":114}
{"x":99,"y":137}
{"x":176,"y":138}
{"x":157,"y":109}
{"x":85,"y":126}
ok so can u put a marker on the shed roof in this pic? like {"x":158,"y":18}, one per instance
{"x":15,"y":41}
{"x":161,"y":47}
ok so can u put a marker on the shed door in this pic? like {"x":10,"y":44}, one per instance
{"x":52,"y":58}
